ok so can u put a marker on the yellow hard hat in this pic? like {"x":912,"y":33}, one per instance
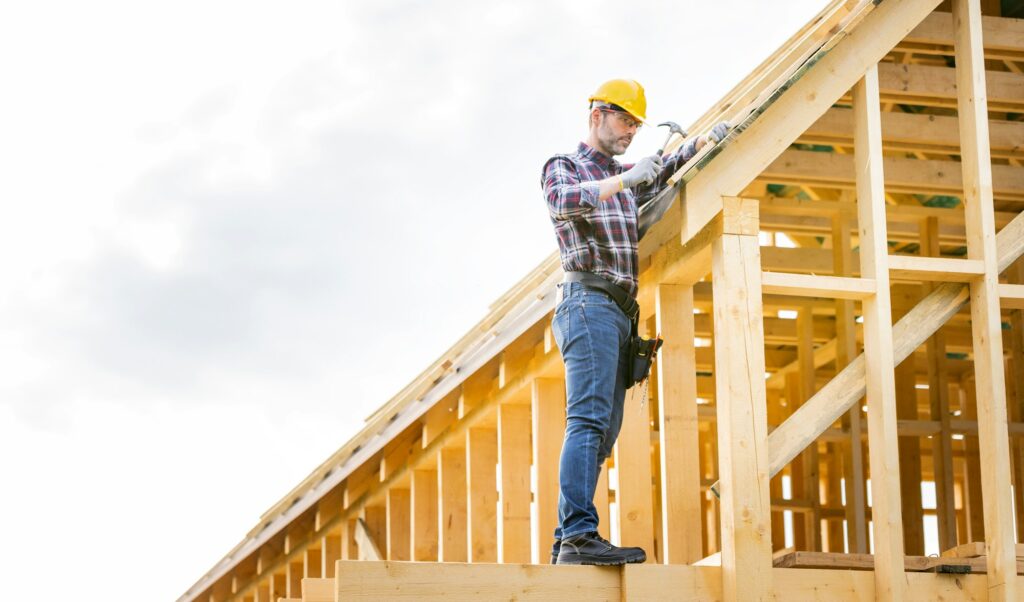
{"x":626,"y":93}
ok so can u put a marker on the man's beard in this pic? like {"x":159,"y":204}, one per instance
{"x":614,"y":145}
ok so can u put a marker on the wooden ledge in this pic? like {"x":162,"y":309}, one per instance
{"x":934,"y":269}
{"x":1011,"y":296}
{"x":805,"y":285}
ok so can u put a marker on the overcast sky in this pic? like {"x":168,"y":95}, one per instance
{"x":231,"y":230}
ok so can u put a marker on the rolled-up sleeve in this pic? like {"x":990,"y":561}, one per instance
{"x":567,"y":197}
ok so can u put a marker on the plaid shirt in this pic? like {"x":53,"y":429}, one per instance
{"x":598,"y":236}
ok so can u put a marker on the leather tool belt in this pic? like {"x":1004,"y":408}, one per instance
{"x":624,"y":300}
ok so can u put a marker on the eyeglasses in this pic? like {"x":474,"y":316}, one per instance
{"x":625,"y":119}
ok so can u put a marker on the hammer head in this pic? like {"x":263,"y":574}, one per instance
{"x":673,"y":128}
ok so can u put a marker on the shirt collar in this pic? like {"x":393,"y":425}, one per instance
{"x":602,"y":160}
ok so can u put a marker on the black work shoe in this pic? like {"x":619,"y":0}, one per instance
{"x":591,"y":548}
{"x":555,"y":550}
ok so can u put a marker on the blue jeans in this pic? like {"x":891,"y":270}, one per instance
{"x":591,"y":332}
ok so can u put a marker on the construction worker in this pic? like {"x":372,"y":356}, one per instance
{"x":591,"y":201}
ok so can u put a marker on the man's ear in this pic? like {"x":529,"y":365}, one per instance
{"x":595,"y":117}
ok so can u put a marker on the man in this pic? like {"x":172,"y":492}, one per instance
{"x":592,"y":204}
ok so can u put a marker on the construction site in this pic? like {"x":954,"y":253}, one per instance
{"x":838,"y":409}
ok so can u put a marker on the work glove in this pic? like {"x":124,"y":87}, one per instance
{"x":645,"y":171}
{"x":719,"y":132}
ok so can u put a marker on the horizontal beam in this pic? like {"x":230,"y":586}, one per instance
{"x":1003,"y":37}
{"x":456,"y":582}
{"x":1011,"y":296}
{"x":805,"y":285}
{"x":912,"y":176}
{"x":934,"y":269}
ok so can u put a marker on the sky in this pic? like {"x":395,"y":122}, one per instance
{"x":232,"y":230}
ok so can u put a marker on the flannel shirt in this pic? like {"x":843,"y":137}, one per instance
{"x":598,"y":236}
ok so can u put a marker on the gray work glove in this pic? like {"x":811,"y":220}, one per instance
{"x":719,"y":132}
{"x":645,"y":171}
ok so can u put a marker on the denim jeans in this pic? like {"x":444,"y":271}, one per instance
{"x":591,"y":332}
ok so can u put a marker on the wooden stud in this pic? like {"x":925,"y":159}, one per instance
{"x":514,"y":459}
{"x":678,"y":426}
{"x":548,"y":415}
{"x":293,"y":579}
{"x":331,"y":554}
{"x":811,"y":465}
{"x":398,"y":522}
{"x":451,"y":507}
{"x":370,"y":532}
{"x":890,"y":581}
{"x":910,"y":460}
{"x":976,"y":165}
{"x":482,"y":492}
{"x":424,"y":523}
{"x":635,"y":495}
{"x":742,"y":418}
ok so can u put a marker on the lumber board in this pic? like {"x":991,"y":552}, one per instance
{"x":482,"y":491}
{"x":975,"y":549}
{"x":866,"y":562}
{"x":548,"y":416}
{"x":1011,"y":296}
{"x":318,"y":590}
{"x":974,"y":99}
{"x":936,"y":269}
{"x":806,"y":285}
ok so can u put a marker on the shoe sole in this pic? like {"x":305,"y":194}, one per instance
{"x":578,"y":559}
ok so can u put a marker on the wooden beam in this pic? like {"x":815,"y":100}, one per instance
{"x":635,"y":497}
{"x":398,"y":523}
{"x":678,"y":426}
{"x":883,"y":445}
{"x":742,"y":418}
{"x":482,"y":491}
{"x":451,"y":506}
{"x":803,"y":285}
{"x":368,"y":548}
{"x":548,"y":415}
{"x":423,"y":527}
{"x":972,"y":109}
{"x":514,"y":459}
{"x":1011,"y":296}
{"x":934,"y":269}
{"x":331,"y":554}
{"x":911,"y":176}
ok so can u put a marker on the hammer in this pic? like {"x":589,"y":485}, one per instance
{"x":673,"y":128}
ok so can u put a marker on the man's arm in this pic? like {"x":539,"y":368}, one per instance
{"x":568,"y":198}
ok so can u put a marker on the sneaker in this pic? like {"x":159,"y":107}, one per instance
{"x":591,"y":548}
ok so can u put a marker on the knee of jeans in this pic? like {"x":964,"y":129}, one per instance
{"x":585,"y":424}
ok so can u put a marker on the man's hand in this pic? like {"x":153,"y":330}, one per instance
{"x":644,"y":172}
{"x":719,"y":132}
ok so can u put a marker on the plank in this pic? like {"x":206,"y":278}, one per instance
{"x":318,"y":590}
{"x":936,"y":269}
{"x":423,"y":525}
{"x":451,"y":504}
{"x":883,"y":446}
{"x":804,"y":285}
{"x":398,"y":523}
{"x":514,"y":496}
{"x":635,"y":497}
{"x":548,"y":417}
{"x":742,"y":418}
{"x":973,"y":94}
{"x":457,"y":582}
{"x":1011,"y":296}
{"x":331,"y":553}
{"x":975,"y":549}
{"x":482,"y":492}
{"x":678,"y":426}
{"x":366,"y":533}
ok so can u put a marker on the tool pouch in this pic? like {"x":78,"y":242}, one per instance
{"x":641,"y":354}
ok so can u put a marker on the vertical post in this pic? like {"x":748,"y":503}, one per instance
{"x":910,"y":460}
{"x":451,"y":506}
{"x":973,"y":498}
{"x":938,"y":397}
{"x":986,"y":324}
{"x":482,"y":491}
{"x":398,"y":524}
{"x":514,"y":497}
{"x":423,"y":519}
{"x":883,"y":443}
{"x":635,"y":496}
{"x":811,"y":465}
{"x":349,"y":545}
{"x":548,"y":399}
{"x":312,"y":566}
{"x":742,"y":411}
{"x":846,"y":350}
{"x":1017,"y":399}
{"x":331,"y":553}
{"x":678,"y":426}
